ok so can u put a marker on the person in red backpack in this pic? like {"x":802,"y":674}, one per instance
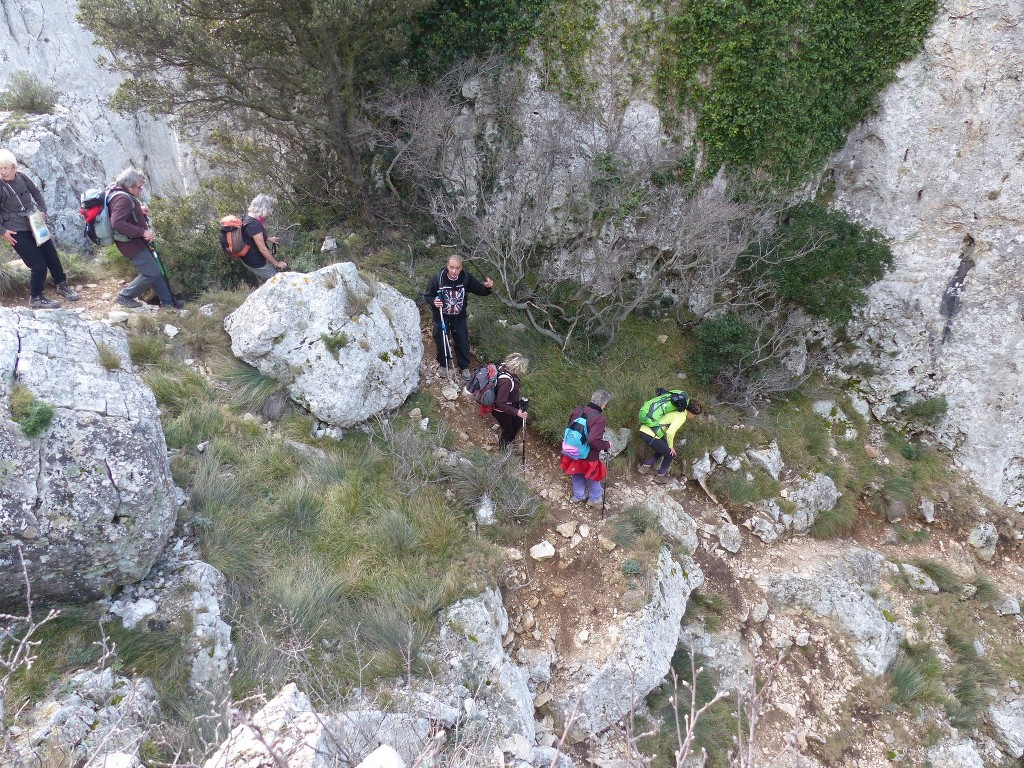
{"x":587,"y":474}
{"x":260,"y":259}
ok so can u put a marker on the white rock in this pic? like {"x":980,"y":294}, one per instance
{"x":485,"y":514}
{"x":701,"y":468}
{"x":116,"y":316}
{"x":566,"y":529}
{"x":281,"y":327}
{"x":545,"y":550}
{"x":1007,"y":720}
{"x":984,"y":538}
{"x":729,"y":537}
{"x":383,"y":756}
{"x":1008,"y":606}
{"x":918,"y":579}
{"x":719,"y":454}
{"x":170,"y":331}
{"x":955,"y":754}
{"x":769,"y":459}
{"x":132,"y":613}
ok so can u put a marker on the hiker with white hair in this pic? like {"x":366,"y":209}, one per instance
{"x":582,"y":444}
{"x":20,"y":200}
{"x":260,"y":259}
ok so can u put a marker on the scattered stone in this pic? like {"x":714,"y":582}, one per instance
{"x":918,"y":579}
{"x":896,"y":510}
{"x":870,"y":451}
{"x":450,"y":392}
{"x":513,"y":554}
{"x":1008,"y":606}
{"x":415,"y":414}
{"x":618,"y":439}
{"x":802,"y":639}
{"x":729,"y":537}
{"x":662,"y":338}
{"x":733,"y":464}
{"x":170,"y":331}
{"x":208,"y":310}
{"x":955,"y":754}
{"x":769,"y":459}
{"x":759,"y":612}
{"x":984,"y":539}
{"x":116,"y":316}
{"x":132,"y":613}
{"x":575,"y":541}
{"x":928,"y":510}
{"x":720,"y":454}
{"x":605,"y":543}
{"x":584,"y":530}
{"x":701,"y":468}
{"x":583,"y":635}
{"x":558,"y":592}
{"x":383,"y":756}
{"x":485,"y":513}
{"x":543,"y":551}
{"x":567,"y":529}
{"x":811,"y":497}
{"x":764,"y":530}
{"x":1007,"y":720}
{"x":967,"y":591}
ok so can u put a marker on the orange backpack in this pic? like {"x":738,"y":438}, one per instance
{"x":231,"y":239}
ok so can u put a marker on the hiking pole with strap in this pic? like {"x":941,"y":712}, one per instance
{"x":160,"y":263}
{"x":524,"y":406}
{"x":445,"y":344}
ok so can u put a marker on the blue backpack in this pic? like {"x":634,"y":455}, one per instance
{"x":574,"y":441}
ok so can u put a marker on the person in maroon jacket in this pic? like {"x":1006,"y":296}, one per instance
{"x":506,"y":412}
{"x":587,"y":474}
{"x":133,"y":237}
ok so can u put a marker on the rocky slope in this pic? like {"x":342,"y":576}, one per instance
{"x":938,"y":171}
{"x":84,"y":144}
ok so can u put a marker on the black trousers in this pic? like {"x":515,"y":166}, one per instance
{"x":660,"y":448}
{"x":39,"y":259}
{"x":459,"y":332}
{"x":510,"y":425}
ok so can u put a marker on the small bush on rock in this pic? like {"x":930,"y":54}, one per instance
{"x":31,"y":414}
{"x":27,"y":93}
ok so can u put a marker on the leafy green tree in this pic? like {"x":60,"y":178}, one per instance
{"x":290,"y":73}
{"x":820,"y":260}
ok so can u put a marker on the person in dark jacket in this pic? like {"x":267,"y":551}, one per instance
{"x":259,"y":259}
{"x":133,"y":237}
{"x":447,"y":294}
{"x":18,"y":197}
{"x":587,"y":474}
{"x":507,"y":411}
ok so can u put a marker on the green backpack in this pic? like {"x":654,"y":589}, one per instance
{"x":653,"y":410}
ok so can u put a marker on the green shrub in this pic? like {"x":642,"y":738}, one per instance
{"x":836,"y":522}
{"x":27,"y":93}
{"x":778,"y":85}
{"x":820,"y":260}
{"x":189,"y":246}
{"x":31,"y":414}
{"x":722,"y":343}
{"x":738,"y":490}
{"x":451,"y":31}
{"x":927,"y":411}
{"x":334,"y":342}
{"x":632,"y":523}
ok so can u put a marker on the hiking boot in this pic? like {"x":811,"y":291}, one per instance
{"x":595,"y":503}
{"x":574,"y":500}
{"x":178,"y":304}
{"x":41,"y":302}
{"x":466,"y":375}
{"x":645,"y":469}
{"x":662,"y":479}
{"x":65,"y":290}
{"x":126,"y":301}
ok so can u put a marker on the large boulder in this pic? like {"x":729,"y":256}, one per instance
{"x":345,"y":346}
{"x":89,"y":502}
{"x":843,"y":589}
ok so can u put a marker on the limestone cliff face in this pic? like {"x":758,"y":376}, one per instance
{"x":938,"y":170}
{"x":84,"y":144}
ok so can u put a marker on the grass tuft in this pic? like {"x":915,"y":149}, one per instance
{"x":916,"y":676}
{"x":631,"y":524}
{"x":145,"y":349}
{"x":943,"y":577}
{"x":108,"y":357}
{"x":250,"y":389}
{"x":836,"y":522}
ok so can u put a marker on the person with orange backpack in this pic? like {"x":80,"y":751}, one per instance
{"x":246,"y":239}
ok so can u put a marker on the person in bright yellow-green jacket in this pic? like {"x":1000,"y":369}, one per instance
{"x":661,"y":440}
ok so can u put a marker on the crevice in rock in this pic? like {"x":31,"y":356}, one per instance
{"x":952,"y":298}
{"x":116,"y":519}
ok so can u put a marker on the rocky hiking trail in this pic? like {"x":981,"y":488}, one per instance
{"x":818,"y":612}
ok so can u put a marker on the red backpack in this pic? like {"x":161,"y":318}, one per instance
{"x":231,"y":239}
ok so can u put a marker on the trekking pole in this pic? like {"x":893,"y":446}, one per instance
{"x":445,"y":346}
{"x":524,"y":405}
